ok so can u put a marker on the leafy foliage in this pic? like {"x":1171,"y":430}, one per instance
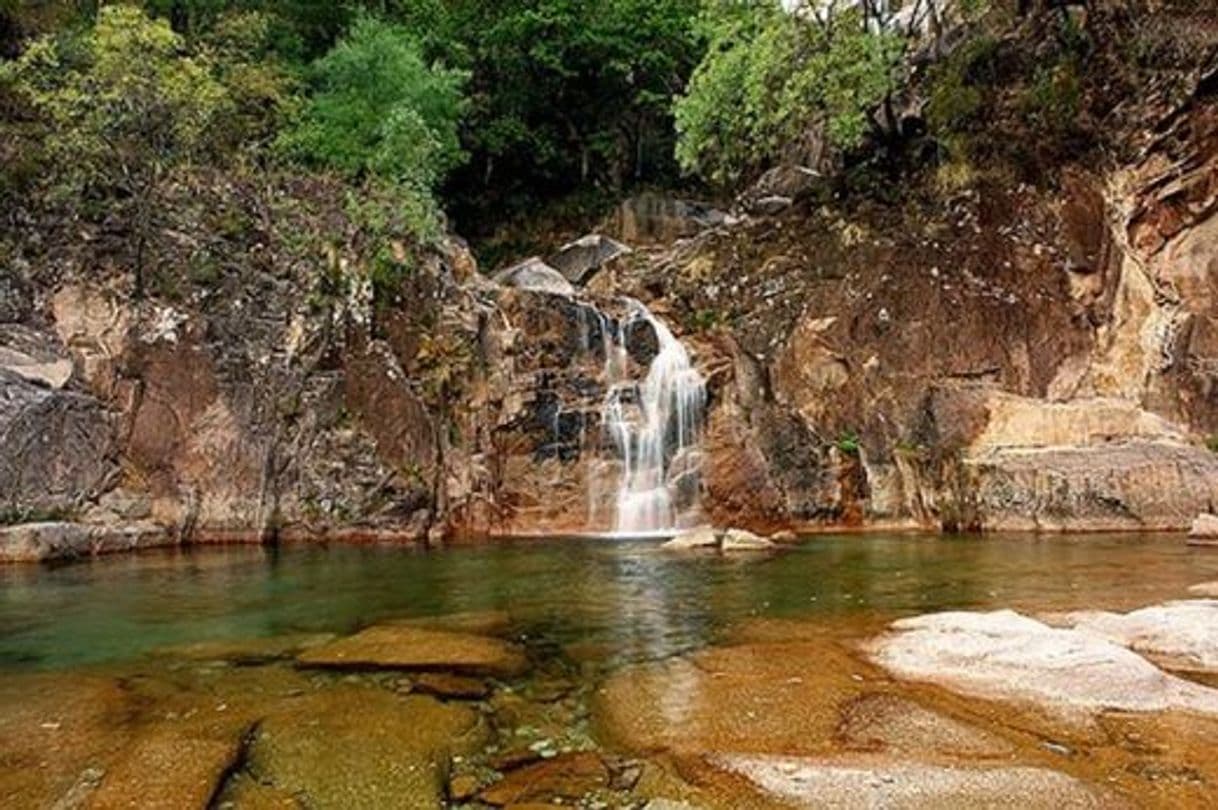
{"x":123,"y":102}
{"x":124,"y":105}
{"x":566,"y":94}
{"x":380,"y":111}
{"x":768,"y":77}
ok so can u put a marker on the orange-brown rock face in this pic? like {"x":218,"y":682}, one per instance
{"x":1007,"y":356}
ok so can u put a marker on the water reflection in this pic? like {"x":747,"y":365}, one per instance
{"x":606,"y":601}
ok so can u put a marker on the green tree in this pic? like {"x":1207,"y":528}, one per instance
{"x":263,"y":88}
{"x":769,"y":77}
{"x":124,"y":105}
{"x":379,"y":111}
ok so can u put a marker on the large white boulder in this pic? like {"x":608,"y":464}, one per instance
{"x":1181,"y":635}
{"x":1005,"y":656}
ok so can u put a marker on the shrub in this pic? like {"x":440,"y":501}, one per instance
{"x":379,"y":111}
{"x":123,"y":104}
{"x":768,"y":76}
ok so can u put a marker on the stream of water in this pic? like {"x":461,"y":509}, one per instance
{"x":654,"y":425}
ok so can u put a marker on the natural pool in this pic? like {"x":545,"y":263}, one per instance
{"x":111,"y":671}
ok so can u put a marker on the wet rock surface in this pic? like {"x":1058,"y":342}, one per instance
{"x":898,"y":725}
{"x":791,"y":715}
{"x":358,"y":748}
{"x":409,"y":648}
{"x":752,"y":697}
{"x":567,"y":777}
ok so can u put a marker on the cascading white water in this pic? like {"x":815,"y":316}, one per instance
{"x":654,"y":426}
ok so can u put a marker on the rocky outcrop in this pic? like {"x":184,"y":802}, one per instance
{"x":1004,"y":356}
{"x":1204,"y":529}
{"x":38,"y":542}
{"x":578,"y":261}
{"x":57,"y":448}
{"x":534,"y":274}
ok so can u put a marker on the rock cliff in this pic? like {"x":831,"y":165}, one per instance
{"x":1018,"y":355}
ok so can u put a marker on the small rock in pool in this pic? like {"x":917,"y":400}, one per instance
{"x":741,"y":540}
{"x":445,"y":685}
{"x":1204,"y":530}
{"x":570,"y":776}
{"x":701,"y":537}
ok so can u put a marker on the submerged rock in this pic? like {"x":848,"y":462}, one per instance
{"x":1206,"y":589}
{"x":741,"y":540}
{"x":770,"y":698}
{"x":566,"y":777}
{"x":59,"y":735}
{"x":168,"y":769}
{"x":897,"y":725}
{"x":412,"y":648}
{"x":246,"y":652}
{"x":821,"y":783}
{"x":1179,"y":635}
{"x":1006,"y":656}
{"x":362,"y":748}
{"x":446,"y":685}
{"x":701,"y":537}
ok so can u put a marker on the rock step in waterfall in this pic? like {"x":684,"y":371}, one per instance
{"x":654,"y":425}
{"x":652,"y":421}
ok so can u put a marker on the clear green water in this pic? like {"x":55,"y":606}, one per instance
{"x":629,"y":598}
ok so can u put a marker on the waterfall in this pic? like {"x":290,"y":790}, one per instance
{"x":654,"y":427}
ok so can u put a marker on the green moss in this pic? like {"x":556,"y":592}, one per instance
{"x":848,"y":443}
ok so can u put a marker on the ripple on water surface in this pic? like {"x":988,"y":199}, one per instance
{"x":611,"y":600}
